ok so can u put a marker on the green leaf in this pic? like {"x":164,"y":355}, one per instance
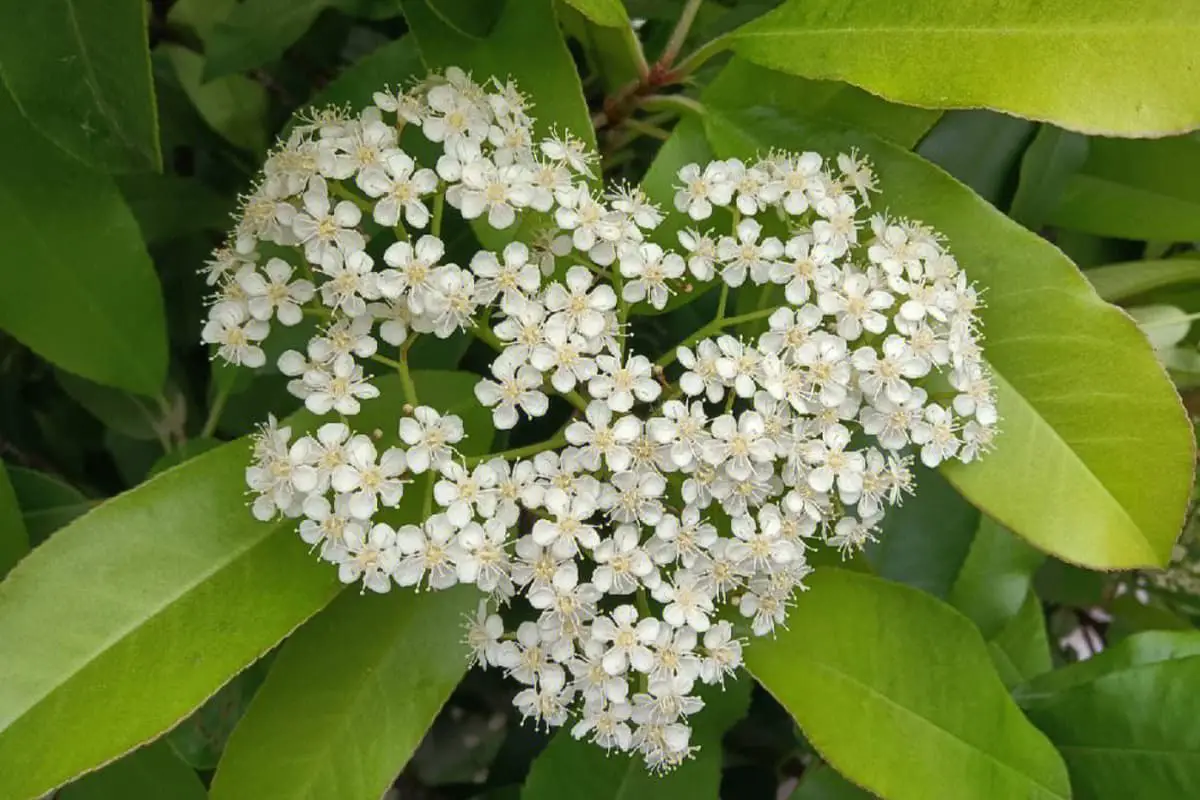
{"x":392,"y":64}
{"x":609,"y":13}
{"x":995,"y":578}
{"x":232,"y":105}
{"x":1125,"y":720}
{"x":127,"y":413}
{"x":47,"y":503}
{"x":14,"y":540}
{"x":79,"y":70}
{"x":1087,"y":411}
{"x":151,"y":602}
{"x":171,"y":206}
{"x":1117,"y":282}
{"x":1021,"y":649}
{"x":823,"y":783}
{"x":1122,"y":68}
{"x":925,"y":541}
{"x":526,"y":45}
{"x":369,"y":670}
{"x":1134,"y":190}
{"x":153,"y":771}
{"x":980,"y":148}
{"x":257,"y":32}
{"x":560,"y":769}
{"x":896,"y":691}
{"x":185,"y":452}
{"x":1053,"y":157}
{"x":77,"y":285}
{"x":200,"y":739}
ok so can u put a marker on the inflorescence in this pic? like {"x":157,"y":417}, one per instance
{"x":668,"y":516}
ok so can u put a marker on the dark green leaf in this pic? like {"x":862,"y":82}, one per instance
{"x":153,"y":771}
{"x":80,"y":72}
{"x":47,"y":503}
{"x":995,"y":578}
{"x":896,"y":691}
{"x":610,"y":13}
{"x":391,"y":65}
{"x":257,"y":32}
{"x":1052,"y":158}
{"x":78,"y":287}
{"x":823,"y":783}
{"x":130,"y":414}
{"x":14,"y":539}
{"x":185,"y":452}
{"x":1083,"y":66}
{"x":233,"y":105}
{"x":980,"y":148}
{"x":1021,"y":649}
{"x":169,"y":206}
{"x":559,"y":771}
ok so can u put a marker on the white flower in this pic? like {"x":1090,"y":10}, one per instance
{"x":650,"y":269}
{"x":338,"y":387}
{"x":412,"y":273}
{"x":937,"y":434}
{"x":746,"y":255}
{"x":619,"y":385}
{"x":428,"y":552}
{"x":236,"y":335}
{"x":580,"y":306}
{"x":623,"y":565}
{"x":498,"y":191}
{"x":322,"y":227}
{"x":703,"y":250}
{"x":462,"y":492}
{"x":702,"y":190}
{"x":274,"y":294}
{"x":430,"y":438}
{"x":722,"y":653}
{"x":515,"y":387}
{"x":399,"y":185}
{"x":688,"y":601}
{"x":351,"y":281}
{"x":369,"y":482}
{"x":370,"y":559}
{"x":513,"y":281}
{"x":628,"y":640}
{"x":831,"y":461}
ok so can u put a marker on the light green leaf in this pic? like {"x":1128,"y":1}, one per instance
{"x":1124,"y":68}
{"x":1117,"y":282}
{"x":1125,"y":720}
{"x":1164,"y":326}
{"x":77,"y":285}
{"x":1134,"y":190}
{"x":892,"y":687}
{"x":1053,"y":157}
{"x":47,"y":503}
{"x":79,"y":70}
{"x":526,"y":45}
{"x":232,"y":105}
{"x":369,"y":670}
{"x":159,"y":596}
{"x":14,"y":540}
{"x":152,"y":771}
{"x":560,"y":769}
{"x":1086,"y":410}
{"x":609,"y":13}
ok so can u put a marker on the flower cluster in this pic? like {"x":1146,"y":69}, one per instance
{"x":670,"y":516}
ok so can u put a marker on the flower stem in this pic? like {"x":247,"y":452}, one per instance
{"x":713,"y":327}
{"x":439,"y":207}
{"x":679,"y":35}
{"x":341,"y":191}
{"x":558,"y":440}
{"x":410,"y":389}
{"x":214,"y":411}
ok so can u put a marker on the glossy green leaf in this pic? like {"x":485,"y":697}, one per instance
{"x":129,"y":414}
{"x":581,"y":770}
{"x":14,"y":539}
{"x":47,"y":503}
{"x":159,"y":596}
{"x":1134,"y":190}
{"x":234,"y":106}
{"x":398,"y":657}
{"x":1053,"y":157}
{"x":80,"y":72}
{"x":185,"y":452}
{"x":1124,"y":67}
{"x":610,"y":13}
{"x":526,"y":45}
{"x":201,"y":738}
{"x":76,"y":284}
{"x":1087,"y":411}
{"x":1117,"y":282}
{"x":152,"y":771}
{"x":1125,"y":720}
{"x":896,"y":691}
